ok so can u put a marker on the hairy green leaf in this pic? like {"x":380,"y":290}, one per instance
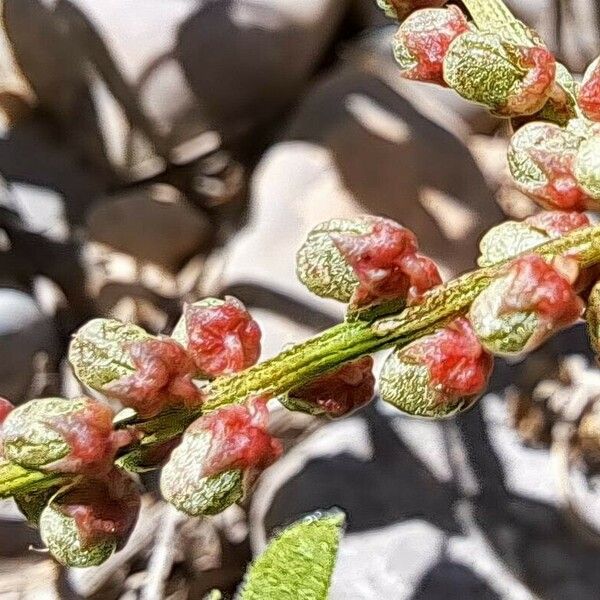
{"x":298,"y":563}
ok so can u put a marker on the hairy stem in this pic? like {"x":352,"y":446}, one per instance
{"x":489,"y":13}
{"x":352,"y":339}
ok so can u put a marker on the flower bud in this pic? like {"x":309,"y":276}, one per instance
{"x":587,"y":170}
{"x":512,"y":238}
{"x":423,"y":40}
{"x":592,"y":317}
{"x":64,"y":436}
{"x":439,"y":375}
{"x":122,"y":361}
{"x":85,"y":524}
{"x":511,"y":80}
{"x":521,"y":309}
{"x":589,"y":93}
{"x":220,"y":456}
{"x":542,"y":159}
{"x":365,"y":261}
{"x":220,"y":336}
{"x":335,"y":394}
{"x":400,"y":9}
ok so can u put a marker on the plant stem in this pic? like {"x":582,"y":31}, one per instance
{"x":489,"y":13}
{"x":347,"y":341}
{"x":303,"y":362}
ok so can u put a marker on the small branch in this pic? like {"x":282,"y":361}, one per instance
{"x":347,"y":341}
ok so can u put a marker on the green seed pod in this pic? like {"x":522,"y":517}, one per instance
{"x":85,"y":524}
{"x":98,"y":351}
{"x":143,"y":372}
{"x":31,"y":505}
{"x":60,"y":534}
{"x":587,"y":169}
{"x":185,"y":487}
{"x":541,"y":159}
{"x":321,"y":267}
{"x":511,"y":238}
{"x":508,"y":239}
{"x":59,"y":435}
{"x":510,"y":80}
{"x":592,"y":316}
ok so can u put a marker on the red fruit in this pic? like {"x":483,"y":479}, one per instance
{"x":423,"y":41}
{"x":342,"y":391}
{"x":386,"y":264}
{"x":537,"y":286}
{"x":162,"y":378}
{"x":589,"y":94}
{"x":541,"y":73}
{"x":239,"y":438}
{"x":222,"y":339}
{"x":455,"y":359}
{"x":5,"y":408}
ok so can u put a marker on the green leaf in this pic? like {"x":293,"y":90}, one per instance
{"x":298,"y":563}
{"x":98,"y":351}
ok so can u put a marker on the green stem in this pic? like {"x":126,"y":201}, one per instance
{"x":306,"y":361}
{"x":494,"y":15}
{"x":489,"y":13}
{"x":14,"y":478}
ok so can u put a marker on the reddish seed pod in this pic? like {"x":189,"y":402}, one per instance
{"x":222,"y":338}
{"x":542,"y":158}
{"x":386,"y":264}
{"x":589,"y":94}
{"x":83,"y":525}
{"x":439,"y":375}
{"x":536,"y":286}
{"x":5,"y":408}
{"x":64,"y":436}
{"x":220,"y":456}
{"x":422,"y":42}
{"x":338,"y":393}
{"x":522,"y":308}
{"x":239,"y":438}
{"x":162,"y":378}
{"x":455,"y":359}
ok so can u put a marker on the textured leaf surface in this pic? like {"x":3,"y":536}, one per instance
{"x":183,"y":484}
{"x":299,"y":563}
{"x":320,"y":265}
{"x":98,"y":352}
{"x":507,"y":240}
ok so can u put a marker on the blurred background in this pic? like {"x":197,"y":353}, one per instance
{"x":153,"y":152}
